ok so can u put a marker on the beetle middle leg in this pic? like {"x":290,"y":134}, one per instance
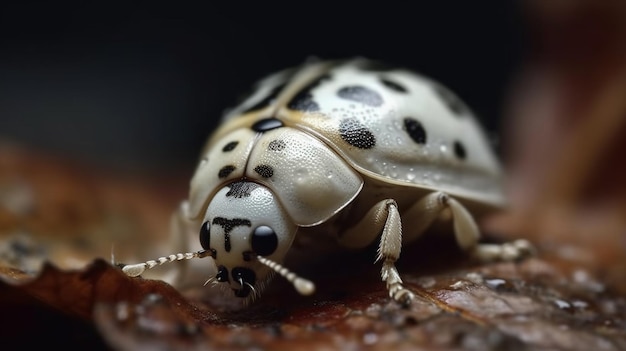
{"x":384,"y":219}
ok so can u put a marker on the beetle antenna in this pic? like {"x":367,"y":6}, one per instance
{"x":303,"y":286}
{"x":134,"y":270}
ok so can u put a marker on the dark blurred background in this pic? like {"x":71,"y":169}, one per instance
{"x":135,"y":85}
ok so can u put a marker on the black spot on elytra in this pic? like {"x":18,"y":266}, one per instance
{"x":230,"y":146}
{"x":303,"y":100}
{"x":266,"y":101}
{"x":241,"y":189}
{"x":264,"y":171}
{"x":266,"y":124}
{"x":356,"y":134}
{"x":415,"y":130}
{"x":361,"y":94}
{"x":276,"y":145}
{"x":449,"y":99}
{"x":459,"y":150}
{"x":395,"y":86}
{"x":226,"y":171}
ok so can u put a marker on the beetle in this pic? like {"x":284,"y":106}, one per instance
{"x":353,"y":149}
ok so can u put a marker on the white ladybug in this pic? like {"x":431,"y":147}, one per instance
{"x":351,"y":149}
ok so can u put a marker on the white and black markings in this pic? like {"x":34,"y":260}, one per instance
{"x":356,"y":134}
{"x":230,"y":146}
{"x":264,"y":171}
{"x":276,"y":145}
{"x":415,"y":130}
{"x":393,"y":85}
{"x":241,"y":189}
{"x":303,"y":100}
{"x":267,"y":101}
{"x":459,"y":150}
{"x":228,"y":225}
{"x":351,"y":130}
{"x":266,"y":124}
{"x":226,"y":171}
{"x":361,"y":94}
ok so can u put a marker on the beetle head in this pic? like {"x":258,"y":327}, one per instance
{"x":248,"y":233}
{"x":243,"y":221}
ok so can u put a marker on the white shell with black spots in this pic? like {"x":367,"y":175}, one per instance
{"x":401,"y":128}
{"x":218,"y":165}
{"x":308,"y":177}
{"x":389,"y":124}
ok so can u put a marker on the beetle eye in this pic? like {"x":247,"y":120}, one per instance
{"x":264,"y":240}
{"x":205,"y":235}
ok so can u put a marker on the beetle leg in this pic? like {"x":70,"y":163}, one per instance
{"x":382,"y":219}
{"x":425,"y":211}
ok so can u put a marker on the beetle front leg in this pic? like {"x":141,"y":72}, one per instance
{"x":382,"y":219}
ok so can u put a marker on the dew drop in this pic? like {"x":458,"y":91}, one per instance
{"x":562,"y":304}
{"x":122,"y":311}
{"x":301,"y":175}
{"x":370,"y":338}
{"x":495,"y":283}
